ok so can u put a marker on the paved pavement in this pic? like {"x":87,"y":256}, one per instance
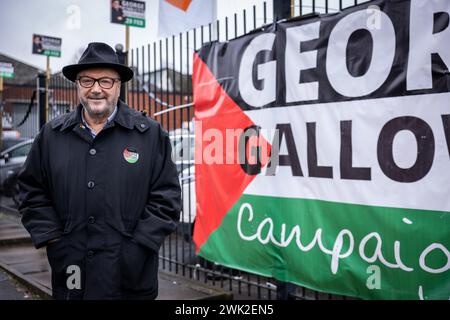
{"x":10,"y":289}
{"x":22,"y":261}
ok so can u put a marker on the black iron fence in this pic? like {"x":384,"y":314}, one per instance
{"x":162,"y":87}
{"x":22,"y":103}
{"x":20,"y":108}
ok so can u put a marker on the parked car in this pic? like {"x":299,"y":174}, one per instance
{"x":9,"y":142}
{"x":9,"y":134}
{"x":183,"y":150}
{"x":11,"y":161}
{"x":187,"y":183}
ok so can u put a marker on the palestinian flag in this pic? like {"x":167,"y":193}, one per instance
{"x":329,"y":174}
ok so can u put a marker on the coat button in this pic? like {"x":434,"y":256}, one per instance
{"x":90,"y":253}
{"x":142,"y":125}
{"x":91,"y":184}
{"x":91,"y":220}
{"x":92,"y":151}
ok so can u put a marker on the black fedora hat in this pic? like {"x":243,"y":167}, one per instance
{"x":98,"y":55}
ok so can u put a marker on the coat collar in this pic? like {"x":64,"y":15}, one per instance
{"x":124,"y":117}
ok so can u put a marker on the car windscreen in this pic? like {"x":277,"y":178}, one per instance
{"x":8,"y":143}
{"x":21,"y":151}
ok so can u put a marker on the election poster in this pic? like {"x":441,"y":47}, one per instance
{"x":6,"y":70}
{"x":47,"y":46}
{"x":128,"y":12}
{"x":323,"y":151}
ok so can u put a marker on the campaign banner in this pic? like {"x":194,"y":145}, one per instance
{"x":128,"y":12}
{"x":47,"y":46}
{"x":6,"y":70}
{"x":323,"y":151}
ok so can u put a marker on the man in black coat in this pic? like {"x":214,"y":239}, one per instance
{"x":117,"y":12}
{"x":99,"y":189}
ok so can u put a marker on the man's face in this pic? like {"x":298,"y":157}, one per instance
{"x":116,"y":4}
{"x":97,"y":101}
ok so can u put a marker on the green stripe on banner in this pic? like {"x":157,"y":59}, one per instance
{"x":356,"y":250}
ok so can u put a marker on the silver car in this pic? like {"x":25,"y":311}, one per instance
{"x":11,"y":161}
{"x":183,"y":151}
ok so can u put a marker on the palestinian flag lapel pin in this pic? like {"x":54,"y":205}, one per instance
{"x":130,"y":155}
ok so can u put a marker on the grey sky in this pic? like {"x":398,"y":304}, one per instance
{"x":19,"y":19}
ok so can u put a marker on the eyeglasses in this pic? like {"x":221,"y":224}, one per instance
{"x":105,"y":82}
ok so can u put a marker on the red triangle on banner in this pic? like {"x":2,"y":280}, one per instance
{"x":218,"y":185}
{"x":180,"y":4}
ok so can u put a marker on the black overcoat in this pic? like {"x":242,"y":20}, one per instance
{"x":111,"y":200}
